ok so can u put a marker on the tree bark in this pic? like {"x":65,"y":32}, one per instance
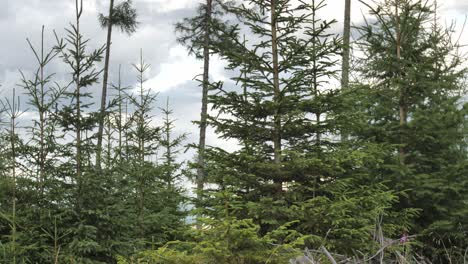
{"x":204,"y":107}
{"x":277,"y":92}
{"x":104,"y":87}
{"x":346,"y":55}
{"x":346,"y":45}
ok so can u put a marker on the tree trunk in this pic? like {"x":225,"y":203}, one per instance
{"x":141,"y":148}
{"x":13,"y":172}
{"x":104,"y":87}
{"x":168,"y":153}
{"x":109,"y":142}
{"x":42,"y":150}
{"x":246,"y":99}
{"x":119,"y":124}
{"x":346,"y":53}
{"x":126,"y":133}
{"x":402,"y":100}
{"x":78,"y":115}
{"x":346,"y":45}
{"x":276,"y":88}
{"x":204,"y":107}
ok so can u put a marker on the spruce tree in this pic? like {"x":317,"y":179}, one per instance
{"x":148,"y":190}
{"x":121,"y":120}
{"x":199,"y":34}
{"x":413,"y":74}
{"x":144,"y":137}
{"x":43,"y":98}
{"x":315,"y":171}
{"x":86,"y":186}
{"x":41,"y":153}
{"x":13,"y":111}
{"x":171,"y":147}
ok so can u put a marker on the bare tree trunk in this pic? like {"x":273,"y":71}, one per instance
{"x":402,"y":100}
{"x":346,"y":45}
{"x":276,"y":88}
{"x":104,"y":87}
{"x":204,"y":108}
{"x":346,"y":54}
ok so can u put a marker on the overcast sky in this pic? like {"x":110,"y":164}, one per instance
{"x":172,"y":70}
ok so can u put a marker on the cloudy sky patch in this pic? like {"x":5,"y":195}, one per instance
{"x":172,"y":71}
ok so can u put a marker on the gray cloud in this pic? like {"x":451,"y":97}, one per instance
{"x":21,"y":19}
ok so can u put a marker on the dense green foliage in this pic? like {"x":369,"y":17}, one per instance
{"x":293,"y":182}
{"x":428,"y":82}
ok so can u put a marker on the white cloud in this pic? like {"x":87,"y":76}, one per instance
{"x":9,"y":80}
{"x":162,"y":6}
{"x":456,"y":5}
{"x":217,"y":69}
{"x":179,"y":69}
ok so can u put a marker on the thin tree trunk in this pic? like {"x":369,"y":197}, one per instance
{"x":204,"y":107}
{"x":346,"y":54}
{"x":56,"y":245}
{"x":141,"y":149}
{"x":315,"y":91}
{"x":126,"y":130}
{"x":168,"y":153}
{"x":13,"y":171}
{"x":42,"y":152}
{"x":104,"y":87}
{"x":120,"y":115}
{"x":78,"y":114}
{"x":246,"y":99}
{"x":109,"y":142}
{"x":276,"y":88}
{"x":318,"y":135}
{"x":346,"y":45}
{"x":402,"y":99}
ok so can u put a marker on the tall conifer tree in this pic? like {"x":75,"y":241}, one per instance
{"x":199,"y":34}
{"x":73,"y":118}
{"x":413,"y":73}
{"x":43,"y":98}
{"x":124,"y":17}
